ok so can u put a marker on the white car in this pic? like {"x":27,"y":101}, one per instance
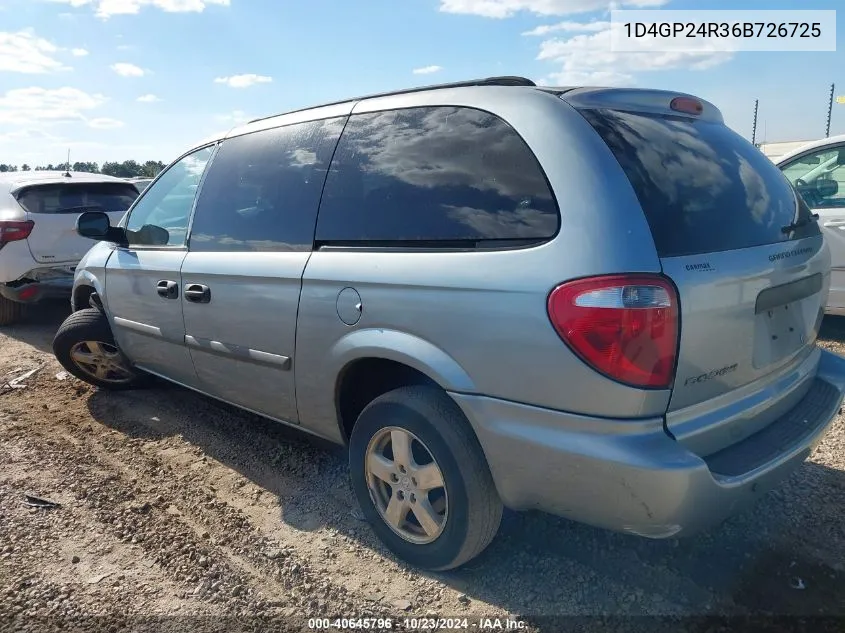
{"x":817,"y":171}
{"x":39,"y":246}
{"x":141,"y":183}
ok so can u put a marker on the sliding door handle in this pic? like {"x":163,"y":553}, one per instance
{"x":197,"y":293}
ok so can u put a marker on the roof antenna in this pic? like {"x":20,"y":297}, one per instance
{"x":67,"y":167}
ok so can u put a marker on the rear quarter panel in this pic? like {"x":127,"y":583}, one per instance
{"x":485,"y":312}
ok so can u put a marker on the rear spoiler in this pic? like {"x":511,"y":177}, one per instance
{"x":20,"y":188}
{"x":638,"y":100}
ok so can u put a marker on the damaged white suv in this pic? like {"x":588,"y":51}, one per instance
{"x":39,"y":245}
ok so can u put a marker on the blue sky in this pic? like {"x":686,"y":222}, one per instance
{"x":144,"y":79}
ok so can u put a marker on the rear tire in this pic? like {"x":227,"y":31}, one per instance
{"x":85,"y":347}
{"x":10,"y":311}
{"x":461,"y":516}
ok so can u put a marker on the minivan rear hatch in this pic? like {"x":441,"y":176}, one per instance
{"x":742,"y":249}
{"x":54,"y":208}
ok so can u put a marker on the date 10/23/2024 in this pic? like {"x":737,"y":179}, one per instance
{"x":416,"y":624}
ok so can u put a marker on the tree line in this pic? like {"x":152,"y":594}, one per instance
{"x":126,"y":169}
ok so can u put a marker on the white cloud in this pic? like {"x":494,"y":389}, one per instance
{"x":79,"y":52}
{"x":105,"y":123}
{"x":303,"y":158}
{"x":571,"y":27}
{"x":36,"y":147}
{"x":243,"y":81}
{"x":148,"y":99}
{"x":507,"y":8}
{"x":107,"y":8}
{"x":30,"y":106}
{"x":427,"y":70}
{"x":236,"y":117}
{"x":24,"y":52}
{"x":28,"y":136}
{"x":127,"y":70}
{"x":588,"y":59}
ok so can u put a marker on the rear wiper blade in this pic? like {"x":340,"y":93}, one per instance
{"x":797,"y":225}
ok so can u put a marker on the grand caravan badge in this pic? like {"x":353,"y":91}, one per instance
{"x":716,"y":373}
{"x":793,"y":253}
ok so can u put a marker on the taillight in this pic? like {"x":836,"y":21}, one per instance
{"x":28,"y":293}
{"x":625,"y":326}
{"x":14,"y":231}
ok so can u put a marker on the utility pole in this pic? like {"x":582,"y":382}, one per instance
{"x":829,"y":112}
{"x":754,"y":129}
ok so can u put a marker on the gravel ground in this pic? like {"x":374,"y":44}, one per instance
{"x":178,"y":512}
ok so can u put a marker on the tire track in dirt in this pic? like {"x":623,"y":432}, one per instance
{"x":213,"y":495}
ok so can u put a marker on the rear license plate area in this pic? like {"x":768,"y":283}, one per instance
{"x":780,"y":331}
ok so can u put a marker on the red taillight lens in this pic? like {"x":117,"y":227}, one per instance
{"x":687,"y":105}
{"x":625,"y":326}
{"x":14,"y":231}
{"x":28,"y":293}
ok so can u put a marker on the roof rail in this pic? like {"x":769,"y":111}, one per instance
{"x":505,"y":80}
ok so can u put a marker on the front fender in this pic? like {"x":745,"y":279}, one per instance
{"x":405,"y":348}
{"x":91,"y":272}
{"x":84,"y":279}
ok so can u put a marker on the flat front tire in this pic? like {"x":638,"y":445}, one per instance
{"x":85,"y":347}
{"x":421,"y":478}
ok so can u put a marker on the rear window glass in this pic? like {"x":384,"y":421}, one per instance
{"x":435,"y":177}
{"x":77,"y":198}
{"x":703,"y":187}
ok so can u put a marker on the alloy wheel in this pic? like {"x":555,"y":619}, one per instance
{"x":406,"y":485}
{"x":102,"y":361}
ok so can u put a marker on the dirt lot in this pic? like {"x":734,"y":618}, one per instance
{"x":174,"y":505}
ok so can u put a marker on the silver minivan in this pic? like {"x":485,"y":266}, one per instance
{"x":600,"y":303}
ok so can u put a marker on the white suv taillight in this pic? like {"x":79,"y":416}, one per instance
{"x":14,"y":231}
{"x":624,"y":326}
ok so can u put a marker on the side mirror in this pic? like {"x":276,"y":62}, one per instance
{"x":94,"y":225}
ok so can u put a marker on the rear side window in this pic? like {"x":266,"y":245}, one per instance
{"x":76,"y":198}
{"x":703,"y":187}
{"x":262,"y":190}
{"x":437,"y":176}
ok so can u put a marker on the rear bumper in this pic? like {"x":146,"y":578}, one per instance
{"x":629,"y":475}
{"x":45,"y":284}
